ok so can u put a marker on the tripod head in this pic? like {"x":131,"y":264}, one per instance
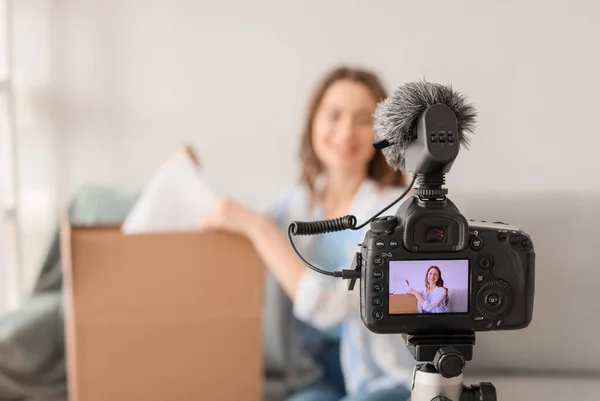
{"x":439,"y":374}
{"x":447,"y":354}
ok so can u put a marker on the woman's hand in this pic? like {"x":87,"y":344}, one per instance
{"x":268,"y":240}
{"x":416,"y":293}
{"x":410,"y":289}
{"x":231,"y":216}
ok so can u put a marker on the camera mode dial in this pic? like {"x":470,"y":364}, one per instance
{"x":384,"y":225}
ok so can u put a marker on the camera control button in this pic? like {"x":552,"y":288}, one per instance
{"x":483,"y":324}
{"x":377,"y":274}
{"x":476,"y":243}
{"x":502,"y":236}
{"x":514,"y":239}
{"x":377,"y":301}
{"x":493,"y":300}
{"x":394,"y":243}
{"x":378,"y":260}
{"x":485,"y":262}
{"x":377,"y":287}
{"x":378,"y":314}
{"x":526,"y":243}
{"x":380,"y":243}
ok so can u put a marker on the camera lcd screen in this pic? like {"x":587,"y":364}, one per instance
{"x":429,"y":286}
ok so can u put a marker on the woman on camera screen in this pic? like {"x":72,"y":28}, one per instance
{"x":434,"y":298}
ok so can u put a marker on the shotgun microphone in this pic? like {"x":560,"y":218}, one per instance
{"x":419,"y":125}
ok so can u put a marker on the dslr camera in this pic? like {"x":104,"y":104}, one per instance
{"x":470,"y":275}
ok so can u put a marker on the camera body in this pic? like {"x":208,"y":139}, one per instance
{"x":471,"y":276}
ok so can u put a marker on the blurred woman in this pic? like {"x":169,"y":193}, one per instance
{"x":314,"y":336}
{"x":434,"y":298}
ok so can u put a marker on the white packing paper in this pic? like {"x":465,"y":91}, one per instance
{"x":175,"y":200}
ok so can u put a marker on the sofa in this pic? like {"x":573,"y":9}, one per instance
{"x":555,"y":358}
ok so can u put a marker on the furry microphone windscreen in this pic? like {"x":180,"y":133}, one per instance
{"x":396,"y":116}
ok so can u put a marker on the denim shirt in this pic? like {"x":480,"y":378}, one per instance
{"x":369,"y":361}
{"x":435,"y":302}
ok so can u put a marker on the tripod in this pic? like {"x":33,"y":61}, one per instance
{"x":439,"y":374}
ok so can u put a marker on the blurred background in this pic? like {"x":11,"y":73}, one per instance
{"x":103,"y":91}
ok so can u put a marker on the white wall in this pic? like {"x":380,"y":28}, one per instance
{"x":27,"y":57}
{"x":232,"y":78}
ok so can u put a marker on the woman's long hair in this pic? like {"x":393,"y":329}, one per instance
{"x":311,"y":167}
{"x":438,"y":283}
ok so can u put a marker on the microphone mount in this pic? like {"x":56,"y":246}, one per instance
{"x":430,"y":186}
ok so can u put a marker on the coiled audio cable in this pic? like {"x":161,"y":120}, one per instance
{"x":334,"y":225}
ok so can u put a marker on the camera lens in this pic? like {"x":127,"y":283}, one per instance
{"x":435,"y":234}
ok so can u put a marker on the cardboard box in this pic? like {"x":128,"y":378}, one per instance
{"x":403,"y":303}
{"x":162,"y":316}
